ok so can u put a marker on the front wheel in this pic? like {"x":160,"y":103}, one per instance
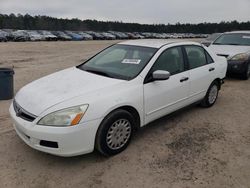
{"x":211,"y":96}
{"x":115,"y":132}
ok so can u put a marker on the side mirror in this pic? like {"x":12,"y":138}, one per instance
{"x":160,"y":75}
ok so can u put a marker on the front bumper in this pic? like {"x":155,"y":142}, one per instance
{"x":237,"y":67}
{"x":61,"y":141}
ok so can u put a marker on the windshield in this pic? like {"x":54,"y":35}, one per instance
{"x":234,"y":39}
{"x":119,"y":61}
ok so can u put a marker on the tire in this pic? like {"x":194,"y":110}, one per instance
{"x":246,"y":75}
{"x":115,"y":132}
{"x":211,"y":95}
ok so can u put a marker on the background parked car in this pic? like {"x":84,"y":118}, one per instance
{"x":147,"y":35}
{"x":119,"y":35}
{"x":235,"y":46}
{"x":95,"y":35}
{"x":74,"y":35}
{"x":131,"y":35}
{"x":116,"y":34}
{"x":8,"y":34}
{"x":90,"y":35}
{"x":61,"y":35}
{"x":48,"y":35}
{"x":108,"y":36}
{"x":35,"y":36}
{"x":85,"y":36}
{"x":20,"y":36}
{"x":3,"y":37}
{"x":158,"y":36}
{"x":138,"y":35}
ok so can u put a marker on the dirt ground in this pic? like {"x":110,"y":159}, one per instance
{"x":193,"y":148}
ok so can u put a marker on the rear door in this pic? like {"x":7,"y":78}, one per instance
{"x":163,"y":97}
{"x":201,"y":69}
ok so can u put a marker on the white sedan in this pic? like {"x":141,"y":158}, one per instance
{"x":100,"y":103}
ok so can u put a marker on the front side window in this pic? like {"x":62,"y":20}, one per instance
{"x":170,"y":60}
{"x":119,"y":61}
{"x":196,"y":56}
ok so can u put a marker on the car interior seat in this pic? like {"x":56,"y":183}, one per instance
{"x":168,"y":62}
{"x":194,"y":58}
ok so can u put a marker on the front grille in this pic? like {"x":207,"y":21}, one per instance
{"x":223,"y":55}
{"x":20,"y":112}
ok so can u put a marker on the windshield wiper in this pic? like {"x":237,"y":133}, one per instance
{"x":99,"y":73}
{"x":227,"y":44}
{"x":233,"y":44}
{"x":217,"y":43}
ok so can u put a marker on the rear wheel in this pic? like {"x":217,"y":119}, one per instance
{"x":115,"y":132}
{"x":211,"y":95}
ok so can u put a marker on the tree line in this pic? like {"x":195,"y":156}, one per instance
{"x":28,"y":22}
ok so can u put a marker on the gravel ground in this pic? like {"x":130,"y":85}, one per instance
{"x":192,"y":148}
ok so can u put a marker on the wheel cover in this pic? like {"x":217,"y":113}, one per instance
{"x":118,"y":134}
{"x":212,"y":96}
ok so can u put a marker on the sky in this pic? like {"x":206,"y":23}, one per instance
{"x":134,"y":11}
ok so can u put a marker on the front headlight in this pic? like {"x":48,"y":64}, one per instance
{"x":66,"y":117}
{"x":240,"y":57}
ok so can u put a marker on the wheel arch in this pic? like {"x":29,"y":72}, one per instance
{"x":132,"y":110}
{"x":218,"y":80}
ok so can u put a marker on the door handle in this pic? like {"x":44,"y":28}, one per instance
{"x":211,"y":69}
{"x":184,"y":79}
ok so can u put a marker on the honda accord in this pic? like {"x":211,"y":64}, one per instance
{"x":100,"y":103}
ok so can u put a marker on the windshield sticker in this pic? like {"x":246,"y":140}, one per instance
{"x":132,"y":61}
{"x":246,"y":37}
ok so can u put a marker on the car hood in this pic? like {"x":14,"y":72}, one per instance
{"x":53,"y":89}
{"x":229,"y":50}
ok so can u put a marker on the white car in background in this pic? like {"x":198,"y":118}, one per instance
{"x":235,"y":46}
{"x":47,"y":35}
{"x":100,"y":103}
{"x":85,"y":36}
{"x":35,"y":36}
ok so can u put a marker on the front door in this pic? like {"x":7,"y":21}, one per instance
{"x":163,"y":97}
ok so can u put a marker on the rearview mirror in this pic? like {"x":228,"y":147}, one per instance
{"x":160,"y":75}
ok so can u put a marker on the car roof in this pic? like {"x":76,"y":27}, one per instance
{"x":156,"y":43}
{"x":241,"y":32}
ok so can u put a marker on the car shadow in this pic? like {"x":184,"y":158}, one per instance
{"x":234,"y":77}
{"x":164,"y":123}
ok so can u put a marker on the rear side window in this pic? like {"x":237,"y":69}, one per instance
{"x":170,"y":60}
{"x":196,"y":56}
